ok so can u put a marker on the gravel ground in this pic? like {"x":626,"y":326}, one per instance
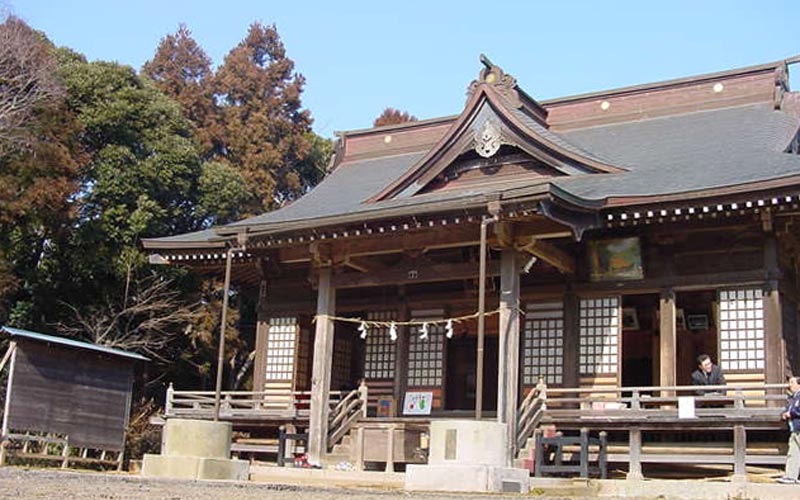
{"x":67,"y":485}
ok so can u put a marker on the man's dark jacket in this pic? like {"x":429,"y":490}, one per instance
{"x":700,"y":377}
{"x":793,"y":407}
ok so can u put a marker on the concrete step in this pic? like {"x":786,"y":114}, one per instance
{"x":331,"y":459}
{"x":345,"y":452}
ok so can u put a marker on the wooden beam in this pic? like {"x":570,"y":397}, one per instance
{"x":359,"y":265}
{"x":411,"y":273}
{"x":320,"y":253}
{"x":505,"y":234}
{"x":508,"y":367}
{"x":386,"y":243}
{"x":321,"y":371}
{"x":549,"y":253}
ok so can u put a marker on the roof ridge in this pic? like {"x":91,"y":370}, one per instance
{"x":672,"y":82}
{"x":665,"y":117}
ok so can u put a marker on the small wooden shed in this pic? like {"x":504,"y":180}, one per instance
{"x":68,"y":393}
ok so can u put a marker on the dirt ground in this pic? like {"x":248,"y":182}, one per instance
{"x":39,"y":484}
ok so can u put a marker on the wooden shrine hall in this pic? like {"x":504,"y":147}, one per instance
{"x":591,"y":243}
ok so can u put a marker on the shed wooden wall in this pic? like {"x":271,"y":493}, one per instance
{"x":82,"y":394}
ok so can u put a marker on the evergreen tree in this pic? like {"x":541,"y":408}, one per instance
{"x":181,"y":69}
{"x":265,"y":128}
{"x":391,"y":116}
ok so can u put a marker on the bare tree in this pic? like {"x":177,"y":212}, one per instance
{"x":147,"y":321}
{"x":28,"y":78}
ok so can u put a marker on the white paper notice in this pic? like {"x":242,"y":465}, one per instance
{"x":686,"y":407}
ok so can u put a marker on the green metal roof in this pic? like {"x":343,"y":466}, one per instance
{"x":16,"y":332}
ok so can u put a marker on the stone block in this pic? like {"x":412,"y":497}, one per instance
{"x":466,"y":478}
{"x":468,"y":442}
{"x":178,"y":467}
{"x":173,"y":467}
{"x":215,"y":468}
{"x":197,"y":438}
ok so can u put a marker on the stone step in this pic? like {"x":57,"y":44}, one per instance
{"x":342,"y":449}
{"x":331,"y":459}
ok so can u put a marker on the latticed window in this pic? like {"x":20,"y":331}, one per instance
{"x":379,"y":351}
{"x":281,"y":348}
{"x":543,"y":344}
{"x":599,"y":335}
{"x":426,"y":356}
{"x":741,"y":329}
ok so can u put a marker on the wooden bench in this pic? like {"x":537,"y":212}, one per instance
{"x":38,"y":447}
{"x":557,"y":446}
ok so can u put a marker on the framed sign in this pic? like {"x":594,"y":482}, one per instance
{"x":697,"y":322}
{"x":616,"y":259}
{"x":385,"y":406}
{"x":418,"y":403}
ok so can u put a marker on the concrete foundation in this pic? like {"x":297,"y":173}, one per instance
{"x":466,"y":478}
{"x":178,"y":467}
{"x":467,"y":456}
{"x":196,"y":449}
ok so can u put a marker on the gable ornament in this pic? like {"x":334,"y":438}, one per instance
{"x":488,"y":139}
{"x":502,"y":82}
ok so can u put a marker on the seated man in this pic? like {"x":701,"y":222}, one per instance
{"x":707,"y":373}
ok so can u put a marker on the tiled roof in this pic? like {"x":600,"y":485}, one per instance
{"x":687,"y":152}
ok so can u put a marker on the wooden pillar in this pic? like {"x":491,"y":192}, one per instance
{"x":401,"y":355}
{"x":262,"y":330}
{"x":668,"y":339}
{"x":571,"y":377}
{"x":321,"y":371}
{"x":739,"y":453}
{"x":12,"y":349}
{"x":390,"y":445}
{"x":635,"y":454}
{"x":508,"y":365}
{"x":774,"y":361}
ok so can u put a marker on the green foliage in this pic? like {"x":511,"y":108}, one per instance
{"x":112,"y":156}
{"x":222,"y":192}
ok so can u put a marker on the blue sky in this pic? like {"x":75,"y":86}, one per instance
{"x":359,"y":57}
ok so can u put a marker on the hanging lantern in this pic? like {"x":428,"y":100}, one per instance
{"x":449,"y":328}
{"x":363,"y":329}
{"x":393,"y":331}
{"x":424,"y":331}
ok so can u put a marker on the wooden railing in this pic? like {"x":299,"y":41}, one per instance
{"x":243,"y":405}
{"x":530,"y":414}
{"x":734,"y":407}
{"x":664,"y":398}
{"x":346,"y":412}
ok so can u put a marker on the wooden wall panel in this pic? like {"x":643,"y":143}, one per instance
{"x":83,"y":395}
